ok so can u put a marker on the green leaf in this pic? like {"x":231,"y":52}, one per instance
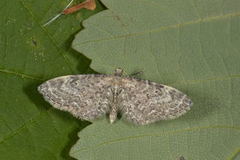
{"x":191,"y":45}
{"x":30,"y":54}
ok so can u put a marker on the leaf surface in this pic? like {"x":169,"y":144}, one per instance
{"x":189,"y":44}
{"x":29,"y":55}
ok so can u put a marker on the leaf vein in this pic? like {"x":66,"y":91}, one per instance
{"x":163,"y":28}
{"x":208,"y":79}
{"x":49,"y":36}
{"x":22,"y":75}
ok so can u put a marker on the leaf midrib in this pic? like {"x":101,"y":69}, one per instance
{"x":163,"y":28}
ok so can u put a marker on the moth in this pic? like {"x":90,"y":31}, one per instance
{"x":92,"y":96}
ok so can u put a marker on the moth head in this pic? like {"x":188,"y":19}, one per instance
{"x":118,"y":72}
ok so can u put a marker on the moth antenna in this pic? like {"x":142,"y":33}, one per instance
{"x":136,"y":74}
{"x":58,"y":15}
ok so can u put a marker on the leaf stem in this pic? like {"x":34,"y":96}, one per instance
{"x":88,"y":4}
